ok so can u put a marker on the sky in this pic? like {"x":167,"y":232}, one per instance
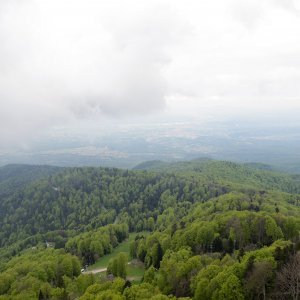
{"x":74,"y":62}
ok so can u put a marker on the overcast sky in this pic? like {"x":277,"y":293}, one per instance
{"x":68,"y":61}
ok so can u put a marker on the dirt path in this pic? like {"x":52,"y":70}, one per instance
{"x":95,"y":271}
{"x":99,"y":270}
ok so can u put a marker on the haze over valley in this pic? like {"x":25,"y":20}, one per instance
{"x":149,"y":150}
{"x":127,"y":145}
{"x":116,"y":84}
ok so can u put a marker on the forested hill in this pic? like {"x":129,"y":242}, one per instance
{"x":252,"y":175}
{"x":15,"y":176}
{"x":239,"y":221}
{"x":80,"y":198}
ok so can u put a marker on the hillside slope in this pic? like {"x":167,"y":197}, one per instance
{"x":214,"y":225}
{"x":13,"y":177}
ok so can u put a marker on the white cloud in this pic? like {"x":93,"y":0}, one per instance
{"x":61,"y":60}
{"x":66,"y":59}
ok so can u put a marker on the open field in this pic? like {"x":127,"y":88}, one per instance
{"x":135,"y":271}
{"x":123,"y":247}
{"x":135,"y":268}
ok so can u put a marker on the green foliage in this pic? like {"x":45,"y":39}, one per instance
{"x":219,"y":230}
{"x":14,"y":177}
{"x":110,"y":290}
{"x":92,"y":245}
{"x":176,"y":271}
{"x":117,"y":266}
{"x":37,"y":271}
{"x":86,"y":198}
{"x":140,"y":292}
{"x":231,"y":289}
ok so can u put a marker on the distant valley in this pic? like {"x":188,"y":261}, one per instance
{"x":131,"y":145}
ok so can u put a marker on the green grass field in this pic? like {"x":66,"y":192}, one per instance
{"x":135,"y":271}
{"x":123,"y":247}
